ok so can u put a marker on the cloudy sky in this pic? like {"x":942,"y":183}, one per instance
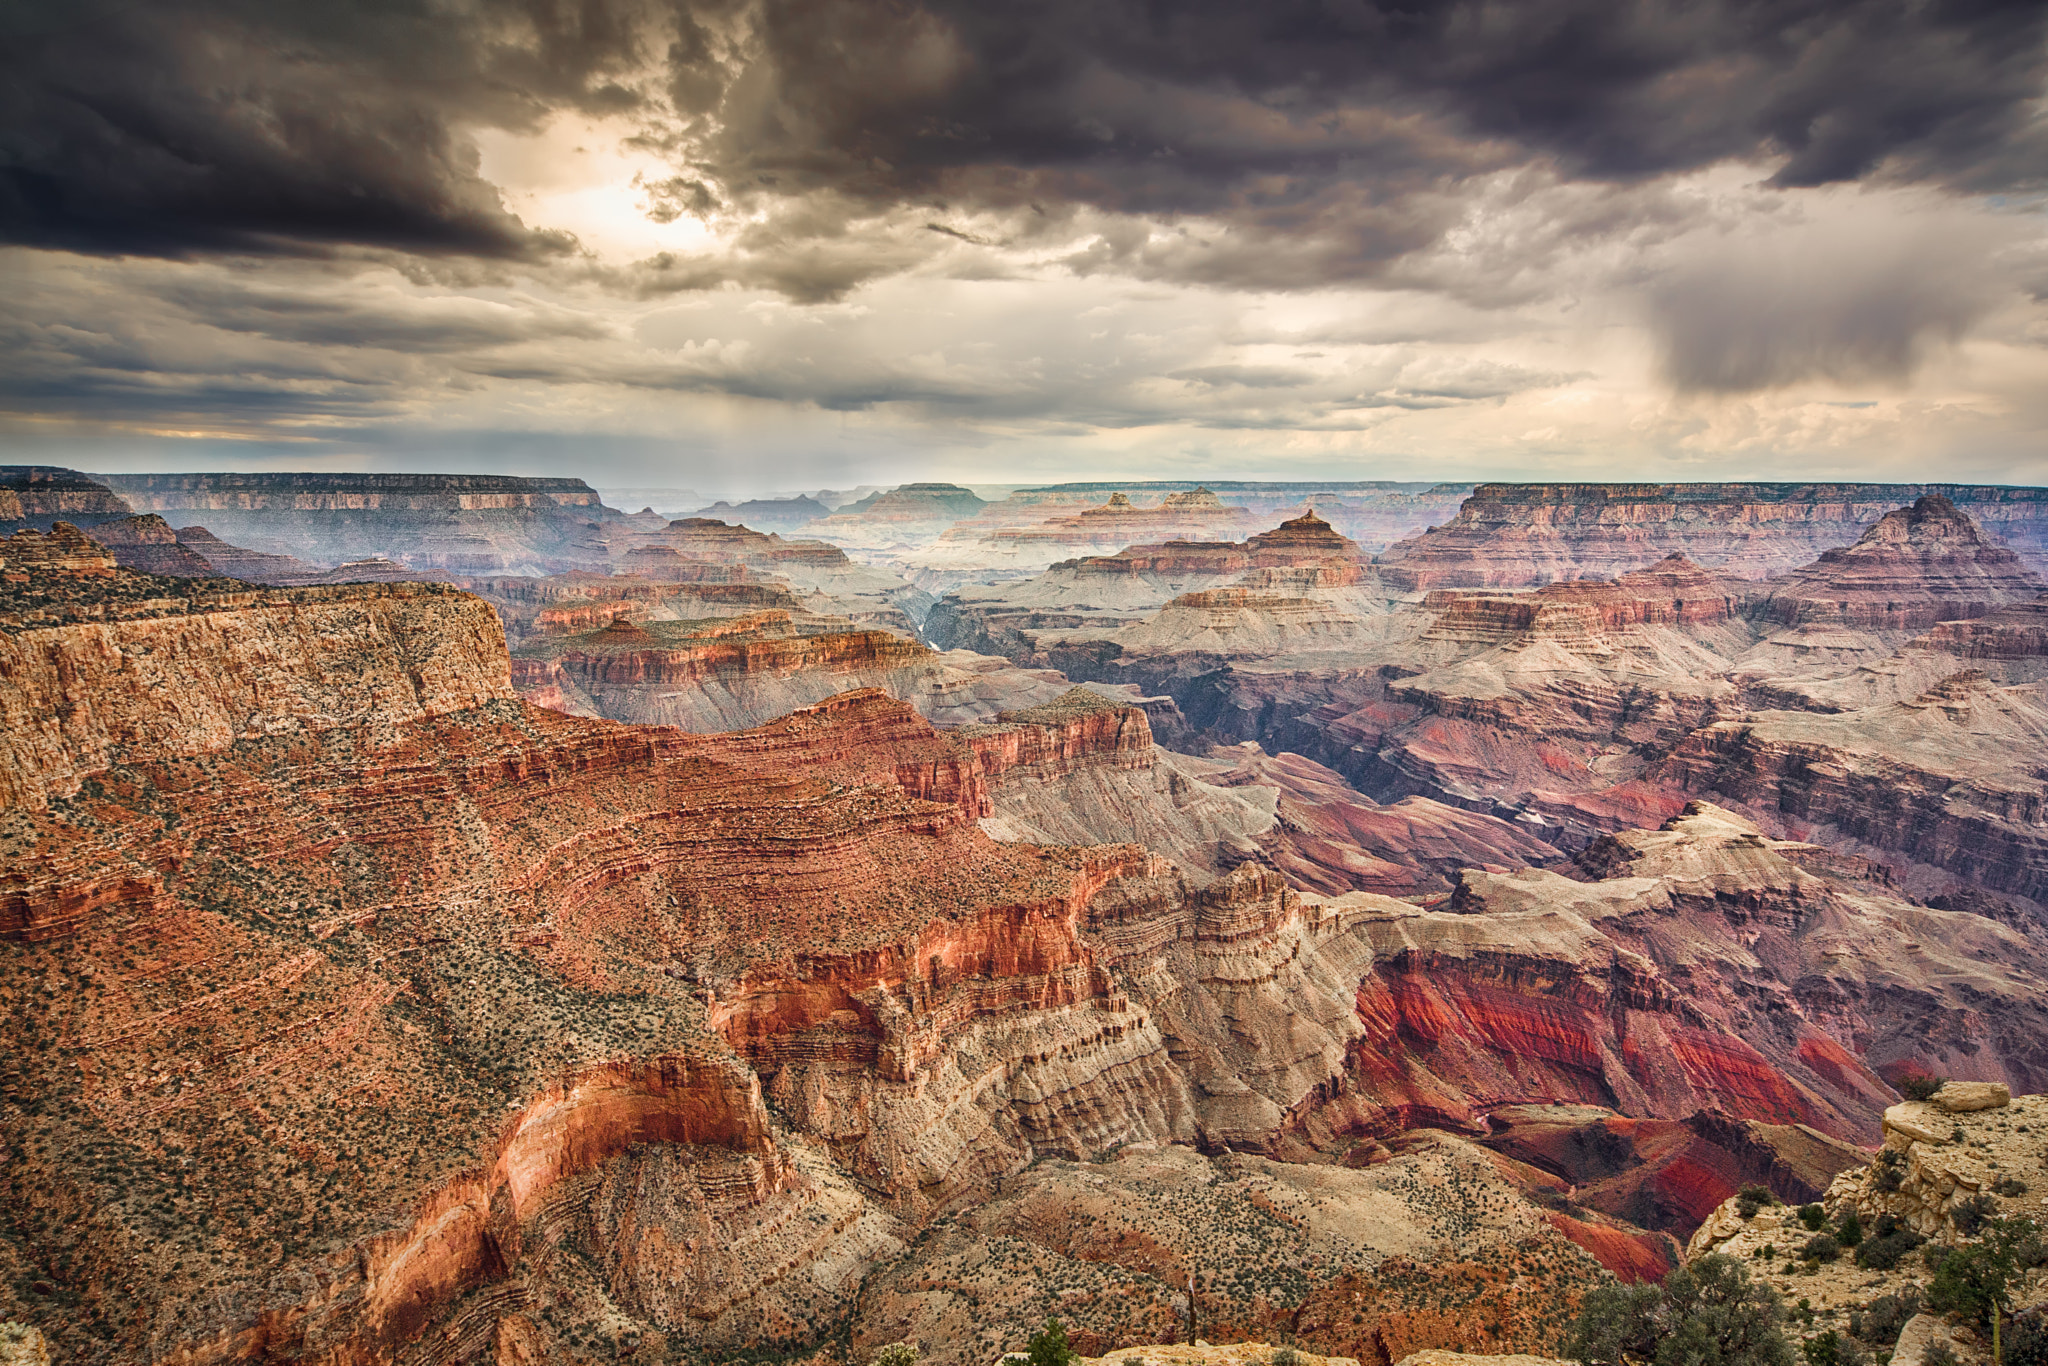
{"x":741,"y":245}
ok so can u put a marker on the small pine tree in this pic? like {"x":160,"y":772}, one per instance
{"x":1048,"y":1346}
{"x":1849,"y":1232}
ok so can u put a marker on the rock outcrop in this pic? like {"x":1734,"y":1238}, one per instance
{"x":1951,"y":1169}
{"x":908,"y":515}
{"x":734,"y":672}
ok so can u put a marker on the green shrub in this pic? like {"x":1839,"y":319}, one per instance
{"x":1891,"y":1169}
{"x":1707,"y":1314}
{"x":1048,"y":1346}
{"x":2009,"y":1186}
{"x":897,"y":1354}
{"x":1969,"y":1282}
{"x":1813,"y":1216}
{"x":1820,"y":1248}
{"x":1919,"y":1085}
{"x":1746,"y":1207}
{"x":1761,"y":1194}
{"x":1286,"y":1356}
{"x":1831,"y":1349}
{"x":1850,"y":1231}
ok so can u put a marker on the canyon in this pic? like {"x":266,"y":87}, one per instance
{"x":649,"y":939}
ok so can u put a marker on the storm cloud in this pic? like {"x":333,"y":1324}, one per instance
{"x":1527,"y":227}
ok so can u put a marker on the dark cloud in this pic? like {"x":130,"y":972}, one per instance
{"x":172,"y":127}
{"x":1322,"y":121}
{"x":1325,"y":136}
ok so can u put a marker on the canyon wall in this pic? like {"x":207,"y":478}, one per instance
{"x":462,"y":523}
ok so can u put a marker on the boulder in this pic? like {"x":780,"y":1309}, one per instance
{"x":1916,"y":1121}
{"x":1963,"y":1097}
{"x":1921,"y":1332}
{"x":21,"y":1345}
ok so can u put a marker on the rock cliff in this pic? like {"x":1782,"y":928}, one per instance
{"x":460,"y":523}
{"x":37,"y":496}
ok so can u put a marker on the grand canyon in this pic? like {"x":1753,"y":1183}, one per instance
{"x":450,"y":919}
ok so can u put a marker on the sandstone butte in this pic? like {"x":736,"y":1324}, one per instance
{"x":364,"y":1012}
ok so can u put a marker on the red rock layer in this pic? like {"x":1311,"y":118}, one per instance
{"x":1081,"y":729}
{"x":1331,"y":838}
{"x":2011,"y":633}
{"x":1917,"y":566}
{"x":1510,"y":535}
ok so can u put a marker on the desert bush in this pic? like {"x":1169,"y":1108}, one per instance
{"x":1709,"y":1312}
{"x":1849,"y":1232}
{"x":1820,"y":1248}
{"x":2027,"y":1342}
{"x":1919,"y":1086}
{"x":1938,"y":1354}
{"x":1969,"y":1216}
{"x":1286,"y":1356}
{"x":1813,"y":1216}
{"x":1882,"y":1250}
{"x":1761,"y":1194}
{"x":1891,"y":1169}
{"x":1878,"y":1323}
{"x":897,"y":1354}
{"x":2009,"y":1186}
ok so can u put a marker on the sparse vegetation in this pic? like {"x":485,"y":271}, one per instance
{"x":1970,"y":1216}
{"x":1831,"y":1349}
{"x":1919,"y":1085}
{"x":1813,"y":1216}
{"x":1849,"y":1233}
{"x":1889,"y":1240}
{"x":1878,"y":1323}
{"x":1710,"y":1311}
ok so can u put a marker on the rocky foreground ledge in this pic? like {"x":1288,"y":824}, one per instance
{"x":1951,"y":1169}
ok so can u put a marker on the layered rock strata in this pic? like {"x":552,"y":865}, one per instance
{"x":380,"y":1016}
{"x":1511,"y":535}
{"x":1917,"y":566}
{"x":37,"y":496}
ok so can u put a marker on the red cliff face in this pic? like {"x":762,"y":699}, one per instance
{"x":1081,"y":729}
